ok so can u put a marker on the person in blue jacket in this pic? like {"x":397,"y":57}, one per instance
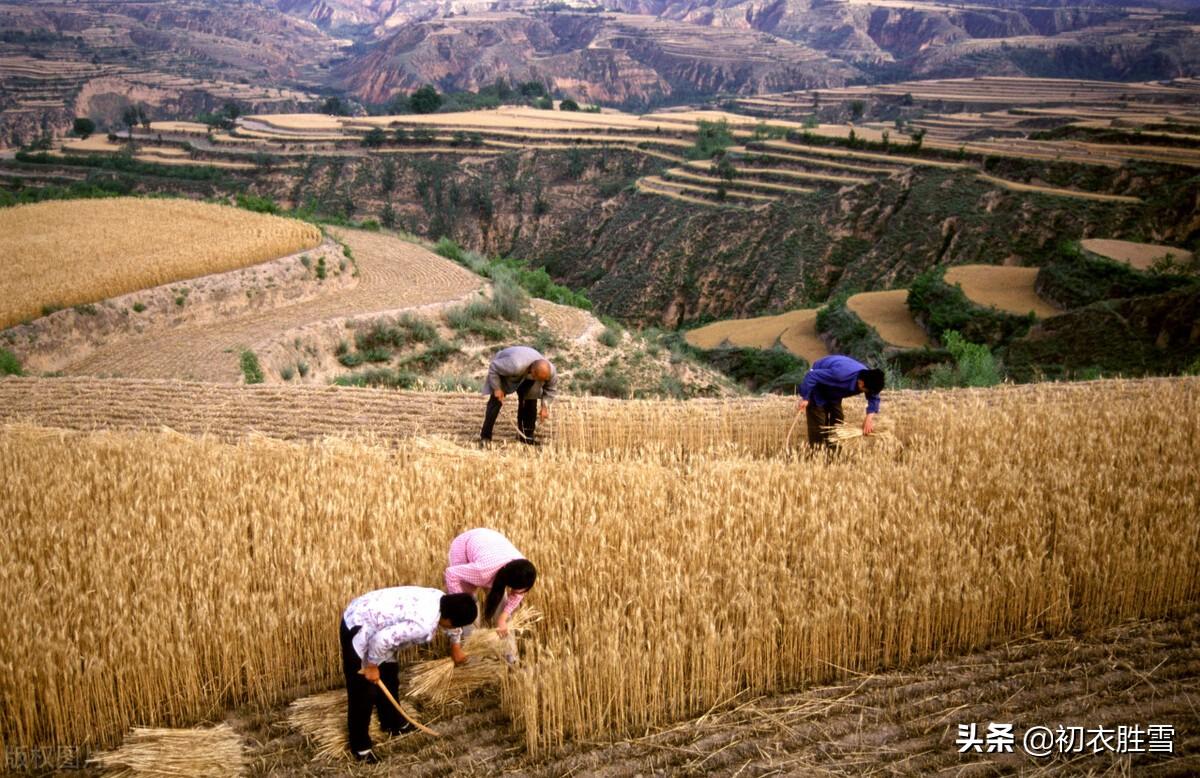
{"x":831,"y":380}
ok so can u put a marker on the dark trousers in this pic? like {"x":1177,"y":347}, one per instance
{"x":527,"y":411}
{"x":818,"y":417}
{"x":362,"y":696}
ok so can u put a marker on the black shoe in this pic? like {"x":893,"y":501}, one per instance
{"x":400,"y":729}
{"x":366,"y":757}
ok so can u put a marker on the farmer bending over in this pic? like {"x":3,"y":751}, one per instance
{"x":484,"y":559}
{"x":831,"y":380}
{"x":525,"y":371}
{"x":374,"y":627}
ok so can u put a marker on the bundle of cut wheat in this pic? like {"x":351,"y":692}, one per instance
{"x":440,"y":682}
{"x":321,"y":718}
{"x":212,"y":752}
{"x":839,"y":434}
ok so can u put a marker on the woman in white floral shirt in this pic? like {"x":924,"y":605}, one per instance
{"x":374,"y":627}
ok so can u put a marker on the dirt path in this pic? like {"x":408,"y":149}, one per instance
{"x":897,"y":723}
{"x":394,"y":275}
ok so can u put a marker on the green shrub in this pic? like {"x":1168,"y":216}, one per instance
{"x":853,"y":336}
{"x":138,"y":307}
{"x":508,"y":299}
{"x":1074,"y":279}
{"x":610,"y":337}
{"x":939,"y":307}
{"x":380,"y":377}
{"x":48,"y":310}
{"x":434,"y":355}
{"x":251,"y":202}
{"x":321,"y":270}
{"x":712,"y":138}
{"x":9,"y":364}
{"x":477,"y":317}
{"x":455,"y":383}
{"x":302,"y":369}
{"x":86,"y":310}
{"x":287,"y":374}
{"x":975,"y":365}
{"x":251,"y":370}
{"x":772,"y":370}
{"x":609,"y":384}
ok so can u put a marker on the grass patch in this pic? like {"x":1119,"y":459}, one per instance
{"x":251,"y":369}
{"x":9,"y":364}
{"x":379,"y":377}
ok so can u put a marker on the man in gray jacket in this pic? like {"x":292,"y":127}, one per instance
{"x":525,"y":371}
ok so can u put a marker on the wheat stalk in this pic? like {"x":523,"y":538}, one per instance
{"x":440,"y":681}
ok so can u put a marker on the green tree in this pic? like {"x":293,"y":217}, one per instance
{"x":568,"y":105}
{"x":84,"y":126}
{"x":374,"y":139}
{"x":425,"y":100}
{"x":856,"y":109}
{"x":545,"y":103}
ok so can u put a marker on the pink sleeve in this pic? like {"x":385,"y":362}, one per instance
{"x":513,"y":600}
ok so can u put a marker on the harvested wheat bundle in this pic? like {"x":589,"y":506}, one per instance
{"x":213,"y":752}
{"x":321,"y":718}
{"x":843,"y":433}
{"x":440,"y":682}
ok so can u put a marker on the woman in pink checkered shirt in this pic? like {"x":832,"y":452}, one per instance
{"x":483,"y":558}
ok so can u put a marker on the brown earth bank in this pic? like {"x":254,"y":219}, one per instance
{"x":902,"y":722}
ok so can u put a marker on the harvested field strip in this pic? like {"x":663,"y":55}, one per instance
{"x":656,"y":181}
{"x":736,"y":183}
{"x":566,"y":321}
{"x":783,"y":173}
{"x":819,"y":162}
{"x":663,"y":190}
{"x":393,"y":275}
{"x":888,"y":313}
{"x":197,"y":162}
{"x":1056,"y":192}
{"x":892,"y":159}
{"x":989,"y":545}
{"x":795,"y":330}
{"x":1139,"y":255}
{"x":75,"y":252}
{"x":802,"y":338}
{"x":1009,"y":289}
{"x":900,"y":722}
{"x":463,"y":150}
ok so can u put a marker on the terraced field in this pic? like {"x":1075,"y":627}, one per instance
{"x":888,"y":313}
{"x":1009,"y":289}
{"x":1142,"y":256}
{"x":990,"y":116}
{"x":795,"y":330}
{"x":394,"y":276}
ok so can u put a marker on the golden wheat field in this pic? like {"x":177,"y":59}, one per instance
{"x":687,"y":556}
{"x":65,"y":253}
{"x":1010,"y":289}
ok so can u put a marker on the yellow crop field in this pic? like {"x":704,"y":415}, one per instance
{"x":1007,"y":288}
{"x":757,"y":332}
{"x":157,"y":578}
{"x":888,"y":313}
{"x":1139,"y":255}
{"x":73,"y":252}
